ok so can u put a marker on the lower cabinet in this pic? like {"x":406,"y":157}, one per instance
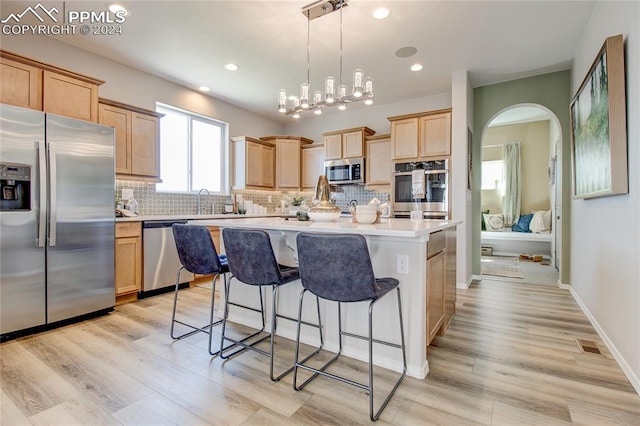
{"x":128,"y":259}
{"x":436,"y":267}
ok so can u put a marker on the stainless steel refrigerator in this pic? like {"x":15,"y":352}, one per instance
{"x":57,"y":220}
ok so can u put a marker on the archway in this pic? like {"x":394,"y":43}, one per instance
{"x":539,"y":132}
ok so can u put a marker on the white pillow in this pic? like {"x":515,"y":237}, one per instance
{"x":541,"y":221}
{"x":546,"y":217}
{"x":493,"y":222}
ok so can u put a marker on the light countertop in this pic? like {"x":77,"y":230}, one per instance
{"x":387,"y":227}
{"x":146,"y":218}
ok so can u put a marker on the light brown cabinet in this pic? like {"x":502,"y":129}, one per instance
{"x":20,"y":84}
{"x":128,"y":258}
{"x":421,"y":136}
{"x":312,"y":165}
{"x":137,"y":133}
{"x":253,"y":163}
{"x":378,"y":168}
{"x":347,"y":143}
{"x":32,"y":84}
{"x":449,"y":280}
{"x":436,"y":267}
{"x":288,"y":160}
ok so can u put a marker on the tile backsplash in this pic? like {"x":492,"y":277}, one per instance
{"x":151,"y":202}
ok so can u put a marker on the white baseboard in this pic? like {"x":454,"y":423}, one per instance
{"x":466,"y":285}
{"x":635,"y":381}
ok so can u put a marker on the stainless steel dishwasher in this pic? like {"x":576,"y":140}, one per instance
{"x":161,"y":260}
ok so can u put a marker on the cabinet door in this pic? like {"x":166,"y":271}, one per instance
{"x":267,"y":154}
{"x":128,"y":264}
{"x":378,"y":167}
{"x":312,"y":166}
{"x":435,"y":294}
{"x":144,"y":145}
{"x":120,"y":120}
{"x":69,"y":97}
{"x":20,"y":84}
{"x":435,"y":135}
{"x":352,"y":145}
{"x":404,"y":138}
{"x":287,"y":164}
{"x":254,"y":164}
{"x":333,"y":147}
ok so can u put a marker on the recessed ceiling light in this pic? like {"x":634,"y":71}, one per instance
{"x":204,"y":89}
{"x":231,"y":67}
{"x":416,"y":67}
{"x":381,"y":13}
{"x":115,"y":7}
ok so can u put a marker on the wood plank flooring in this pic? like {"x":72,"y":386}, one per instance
{"x":510,"y":357}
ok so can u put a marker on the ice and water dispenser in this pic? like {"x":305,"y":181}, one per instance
{"x":15,"y":186}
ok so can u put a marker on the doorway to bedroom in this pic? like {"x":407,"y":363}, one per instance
{"x":519,"y":195}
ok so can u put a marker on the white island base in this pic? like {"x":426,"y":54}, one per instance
{"x":388,"y":240}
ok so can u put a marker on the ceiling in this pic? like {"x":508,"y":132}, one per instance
{"x":189,"y":42}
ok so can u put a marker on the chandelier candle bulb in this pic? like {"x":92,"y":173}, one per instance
{"x":282,"y":101}
{"x":304,"y":95}
{"x":329,"y":89}
{"x":368,"y":90}
{"x":358,"y":77}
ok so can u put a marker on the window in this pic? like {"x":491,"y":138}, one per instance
{"x":492,"y":176}
{"x":193,"y":152}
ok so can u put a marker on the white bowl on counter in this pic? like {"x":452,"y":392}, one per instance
{"x":366,"y":217}
{"x":324,"y":216}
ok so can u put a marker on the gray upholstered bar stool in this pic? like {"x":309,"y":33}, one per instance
{"x":252,"y":261}
{"x":337,"y":267}
{"x":198,"y":255}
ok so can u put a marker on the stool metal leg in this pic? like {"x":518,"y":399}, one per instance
{"x":274,"y":326}
{"x":368,"y":387}
{"x":194,"y":329}
{"x":242,"y":342}
{"x":211,"y":316}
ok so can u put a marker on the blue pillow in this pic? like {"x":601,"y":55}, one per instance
{"x":523,"y":224}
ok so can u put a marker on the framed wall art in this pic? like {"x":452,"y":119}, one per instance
{"x":599,"y":128}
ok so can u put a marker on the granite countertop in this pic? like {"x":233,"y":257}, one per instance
{"x":387,"y":227}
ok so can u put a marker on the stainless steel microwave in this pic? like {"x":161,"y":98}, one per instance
{"x":347,"y":171}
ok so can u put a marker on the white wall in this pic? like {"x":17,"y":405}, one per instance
{"x":134,"y":87}
{"x":605,"y":235}
{"x":461,"y":121}
{"x":373,"y":116}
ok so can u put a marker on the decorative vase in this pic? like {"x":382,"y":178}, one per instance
{"x":324,"y":210}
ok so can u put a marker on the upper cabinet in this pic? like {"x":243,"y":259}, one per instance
{"x":312,"y":165}
{"x":288,"y":160}
{"x":378,"y":167}
{"x":137,"y":133}
{"x":347,"y":143}
{"x":31,"y":84}
{"x":423,"y":135}
{"x":253,"y":163}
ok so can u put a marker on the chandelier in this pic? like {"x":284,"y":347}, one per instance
{"x":335,"y":92}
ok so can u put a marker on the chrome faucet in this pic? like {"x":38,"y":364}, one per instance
{"x":199,"y":200}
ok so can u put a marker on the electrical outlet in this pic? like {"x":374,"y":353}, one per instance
{"x":402,"y":264}
{"x":269,"y":199}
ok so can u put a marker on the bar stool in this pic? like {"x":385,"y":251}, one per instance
{"x":198,"y":255}
{"x":252,"y":261}
{"x":337,"y":267}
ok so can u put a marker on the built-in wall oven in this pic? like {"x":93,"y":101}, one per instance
{"x":434,"y":204}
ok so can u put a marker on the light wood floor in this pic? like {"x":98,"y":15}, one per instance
{"x":510,"y":357}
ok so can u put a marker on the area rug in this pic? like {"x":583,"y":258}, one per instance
{"x":501,"y":266}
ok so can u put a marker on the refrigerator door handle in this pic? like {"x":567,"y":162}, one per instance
{"x":42,"y":199}
{"x":53,"y":196}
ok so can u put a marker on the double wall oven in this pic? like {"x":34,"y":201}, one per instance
{"x":434,"y":204}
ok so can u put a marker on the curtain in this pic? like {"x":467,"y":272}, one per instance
{"x":513,"y":185}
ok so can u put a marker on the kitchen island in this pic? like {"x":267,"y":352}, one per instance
{"x":399,"y":248}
